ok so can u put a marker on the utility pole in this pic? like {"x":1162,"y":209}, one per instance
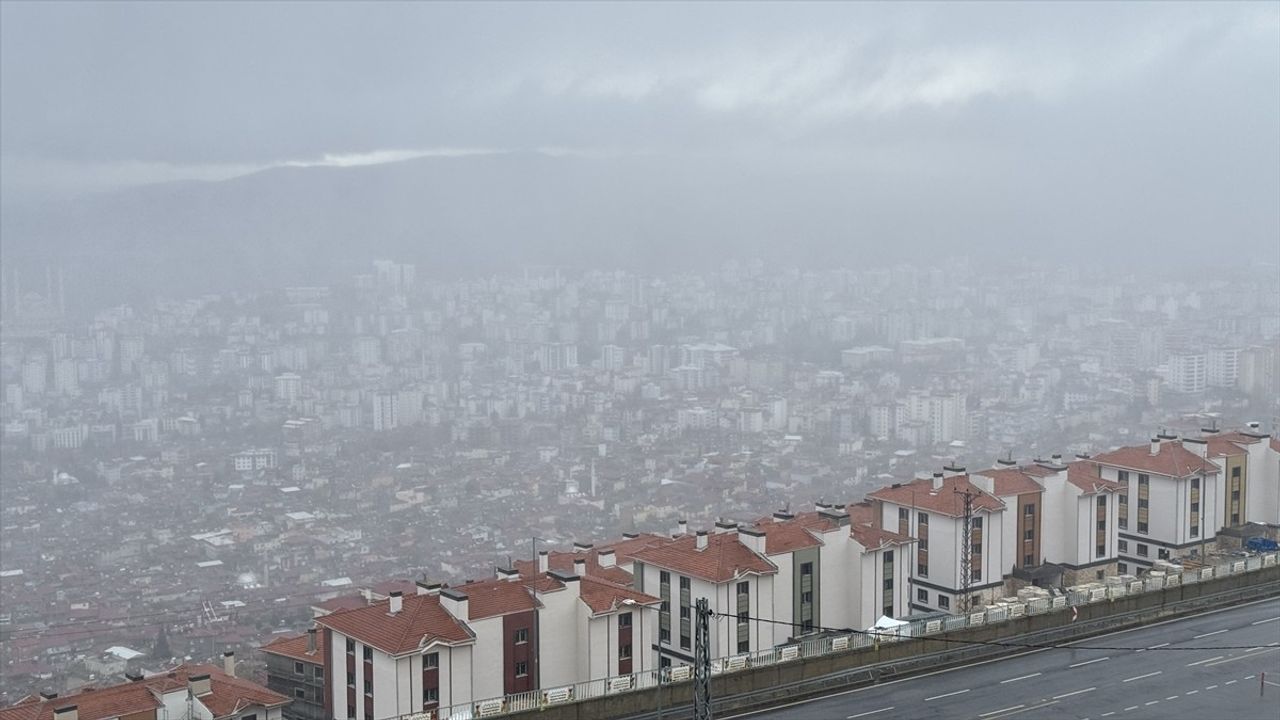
{"x":702,"y":661}
{"x":966,"y":550}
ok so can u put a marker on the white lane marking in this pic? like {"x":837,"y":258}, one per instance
{"x":1139,"y":677}
{"x":1192,"y":692}
{"x":1131,"y":707}
{"x":1211,"y":687}
{"x":997,"y":712}
{"x":1251,"y":677}
{"x":1089,"y":662}
{"x":939,"y":697}
{"x":1204,"y":635}
{"x":1232,"y":682}
{"x":870,"y":712}
{"x":1265,"y":621}
{"x":1027,"y":709}
{"x":1242,"y":657}
{"x":1206,"y":660}
{"x":1077,"y":692}
{"x":1108,"y":714}
{"x":1255,"y":649}
{"x":1156,"y":647}
{"x":1024,"y":677}
{"x":1153,"y":702}
{"x":1172,"y":697}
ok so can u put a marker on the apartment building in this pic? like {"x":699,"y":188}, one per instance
{"x":729,"y":570}
{"x":932,"y":511}
{"x":296,"y":670}
{"x":1170,"y":499}
{"x":199,"y":691}
{"x":1249,"y":465}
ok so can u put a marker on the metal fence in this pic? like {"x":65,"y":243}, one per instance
{"x":837,"y":643}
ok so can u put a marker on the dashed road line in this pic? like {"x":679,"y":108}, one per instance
{"x":1206,"y":660}
{"x":1090,"y":662}
{"x":997,"y":712}
{"x":1192,"y":692}
{"x":939,"y":697}
{"x":1232,"y":682}
{"x":1205,"y":635}
{"x":1131,"y":707}
{"x":1077,"y":692}
{"x":1211,"y":687}
{"x":870,"y":712}
{"x":1153,"y":702}
{"x":1024,"y":677}
{"x":1265,"y":621}
{"x":1172,"y":697}
{"x":1139,"y":677}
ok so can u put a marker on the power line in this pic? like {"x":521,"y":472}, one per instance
{"x":995,"y":643}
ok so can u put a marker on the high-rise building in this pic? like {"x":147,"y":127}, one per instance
{"x":1188,"y":372}
{"x":386,"y":411}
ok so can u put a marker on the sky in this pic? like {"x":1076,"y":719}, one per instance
{"x":103,"y":95}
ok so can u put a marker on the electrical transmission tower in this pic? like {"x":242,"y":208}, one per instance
{"x":966,"y":550}
{"x":702,"y":661}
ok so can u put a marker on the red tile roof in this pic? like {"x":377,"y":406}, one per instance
{"x":228,"y":696}
{"x":622,"y":550}
{"x":1222,"y":446}
{"x":344,"y":602}
{"x":947,"y":500}
{"x":1172,"y":460}
{"x":422,"y":620}
{"x":295,"y":647}
{"x":490,"y":598}
{"x":603,"y":597}
{"x":724,"y":558}
{"x":1084,"y":475}
{"x":863,"y":526}
{"x":1008,"y":481}
{"x":785,"y":536}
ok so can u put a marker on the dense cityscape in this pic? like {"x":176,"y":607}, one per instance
{"x":244,"y":458}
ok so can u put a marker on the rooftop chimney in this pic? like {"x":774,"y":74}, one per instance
{"x":1082,"y":456}
{"x":456,"y":603}
{"x":937,"y":481}
{"x":67,"y":712}
{"x":395,"y":602}
{"x":753,"y":539}
{"x":1212,"y":429}
{"x":952,"y":470}
{"x":581,"y":547}
{"x":835,"y":514}
{"x":580,"y":566}
{"x":630,"y":535}
{"x":311,"y":641}
{"x":1196,"y":445}
{"x":724,"y":526}
{"x":424,"y":588}
{"x":199,"y":685}
{"x":1056,"y":458}
{"x":133,"y":675}
{"x":607,"y":558}
{"x":229,"y":662}
{"x":1155,"y":446}
{"x":682,"y":526}
{"x":544,"y":561}
{"x":48,"y":694}
{"x":702,"y":540}
{"x":782,"y":516}
{"x":508,"y":574}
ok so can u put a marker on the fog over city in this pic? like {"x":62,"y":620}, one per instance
{"x":307,"y":305}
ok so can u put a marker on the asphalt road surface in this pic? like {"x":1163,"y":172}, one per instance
{"x":1175,"y":669}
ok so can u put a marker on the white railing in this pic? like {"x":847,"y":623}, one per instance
{"x":814,"y":647}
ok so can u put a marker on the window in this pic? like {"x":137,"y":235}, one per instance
{"x":664,"y":577}
{"x":430,"y":660}
{"x":300,"y":694}
{"x":1162,"y":553}
{"x":1028,"y":560}
{"x":1028,"y":534}
{"x":977,"y":548}
{"x":1124,"y":546}
{"x":521,"y":636}
{"x":351,"y":646}
{"x":1099,"y":574}
{"x":1142,"y":550}
{"x":684,"y":584}
{"x":1195,"y":483}
{"x":1143,"y":503}
{"x":684,"y":641}
{"x":888,"y":583}
{"x":664,"y":635}
{"x":977,"y":575}
{"x":744,"y":646}
{"x":1102,"y":524}
{"x":684,"y":612}
{"x":351,"y":711}
{"x":977,"y":523}
{"x":351,"y":679}
{"x":624,"y":620}
{"x":1195,"y":531}
{"x":944,"y":602}
{"x":1142,"y":527}
{"x":1102,"y":550}
{"x":318,"y":673}
{"x":1124,"y":476}
{"x":368,"y":654}
{"x":744,"y":588}
{"x":922,"y":570}
{"x":430,"y":695}
{"x":1122,"y":567}
{"x":922,"y":595}
{"x":1235,"y":473}
{"x":806,"y":596}
{"x":923,"y":544}
{"x":522,"y":669}
{"x":1195,"y":507}
{"x":1102,"y":501}
{"x":624,"y":651}
{"x":903,"y":514}
{"x":888,"y":557}
{"x":1029,"y":509}
{"x":924,"y":518}
{"x":299,"y":668}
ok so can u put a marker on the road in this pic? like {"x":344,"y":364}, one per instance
{"x":1175,"y":669}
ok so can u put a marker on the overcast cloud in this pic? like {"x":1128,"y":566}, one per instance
{"x":115,"y":93}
